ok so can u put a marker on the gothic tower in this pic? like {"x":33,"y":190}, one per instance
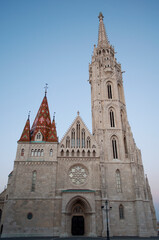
{"x":119,"y":155}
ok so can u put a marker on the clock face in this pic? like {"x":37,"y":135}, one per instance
{"x":78,"y":174}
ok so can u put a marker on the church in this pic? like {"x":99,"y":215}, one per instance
{"x":87,"y":182}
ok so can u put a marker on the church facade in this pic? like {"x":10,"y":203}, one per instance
{"x":63,"y":188}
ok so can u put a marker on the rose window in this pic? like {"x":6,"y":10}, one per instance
{"x":78,"y":174}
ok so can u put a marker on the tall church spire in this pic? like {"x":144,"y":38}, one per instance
{"x":102,"y":37}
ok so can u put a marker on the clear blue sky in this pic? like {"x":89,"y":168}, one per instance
{"x":52,"y":41}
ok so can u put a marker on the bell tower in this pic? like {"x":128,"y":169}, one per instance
{"x":107,"y":94}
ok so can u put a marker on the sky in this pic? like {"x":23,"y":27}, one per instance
{"x":51,"y":41}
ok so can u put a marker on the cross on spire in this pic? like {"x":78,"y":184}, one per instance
{"x":46,"y":87}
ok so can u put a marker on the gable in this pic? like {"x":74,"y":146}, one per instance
{"x":78,"y":141}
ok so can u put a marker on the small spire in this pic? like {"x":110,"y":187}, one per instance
{"x":102,"y":36}
{"x":54,"y":116}
{"x":29,"y":115}
{"x":46,"y":87}
{"x":78,"y":113}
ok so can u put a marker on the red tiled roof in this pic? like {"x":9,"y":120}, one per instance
{"x":42,"y":121}
{"x":52,"y":136}
{"x":25,"y":137}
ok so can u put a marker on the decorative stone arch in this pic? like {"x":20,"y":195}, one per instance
{"x":78,"y":200}
{"x":78,"y":207}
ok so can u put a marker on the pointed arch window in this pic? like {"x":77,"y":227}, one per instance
{"x":51,"y":152}
{"x":94,"y":153}
{"x":22,"y":152}
{"x":33,"y":181}
{"x":83,"y":153}
{"x":32,"y":152}
{"x":112,"y":122}
{"x":78,"y":153}
{"x":73,"y":138}
{"x":39,"y":152}
{"x":73,"y":153}
{"x":121,"y":211}
{"x":35,"y":153}
{"x":114,"y":148}
{"x":83,"y":138}
{"x":78,"y":134}
{"x":88,"y":153}
{"x":67,"y":153}
{"x":88,"y":142}
{"x":39,"y":137}
{"x":118,"y":181}
{"x":125,"y":147}
{"x":109,"y":90}
{"x":42,"y":152}
{"x":62,"y":153}
{"x":68,"y":142}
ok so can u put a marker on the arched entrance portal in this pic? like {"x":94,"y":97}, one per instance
{"x":79,"y":213}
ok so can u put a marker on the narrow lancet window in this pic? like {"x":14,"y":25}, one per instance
{"x":112,"y":122}
{"x":67,"y":153}
{"x":114,"y":147}
{"x":33,"y":181}
{"x":73,"y":138}
{"x":32,"y":152}
{"x":51,"y":152}
{"x":42,"y":152}
{"x":125,"y":146}
{"x":118,"y":181}
{"x":121,"y":212}
{"x":88,"y":142}
{"x":78,"y":134}
{"x":109,"y":89}
{"x":83,"y":138}
{"x":39,"y":153}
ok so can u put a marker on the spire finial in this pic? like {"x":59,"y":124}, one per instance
{"x":100,"y":16}
{"x":46,"y":87}
{"x":54,"y":116}
{"x":78,"y":113}
{"x":29,"y":115}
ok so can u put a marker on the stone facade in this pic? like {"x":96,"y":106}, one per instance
{"x":58,"y":188}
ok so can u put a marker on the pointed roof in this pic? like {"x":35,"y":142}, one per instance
{"x":25,"y":137}
{"x":52,"y":135}
{"x":42,"y":121}
{"x":102,"y":36}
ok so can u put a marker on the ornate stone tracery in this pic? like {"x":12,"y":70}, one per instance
{"x":78,"y":174}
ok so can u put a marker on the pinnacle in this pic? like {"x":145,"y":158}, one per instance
{"x":102,"y":37}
